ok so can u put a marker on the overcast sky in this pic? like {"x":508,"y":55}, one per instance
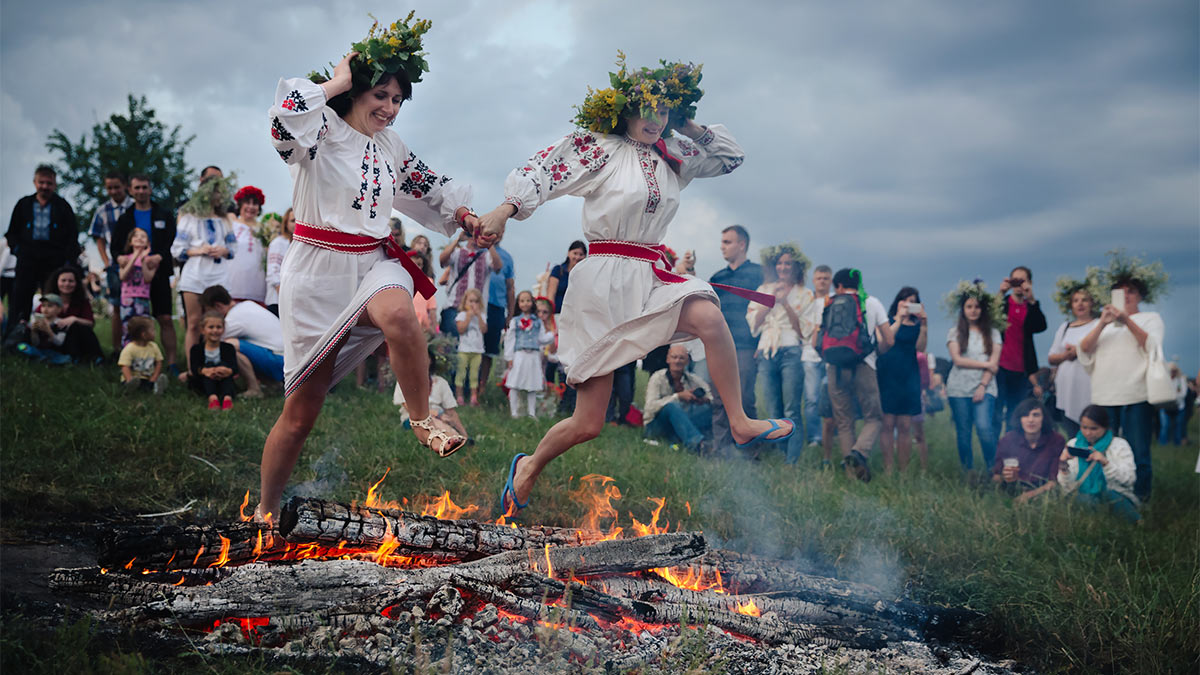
{"x":924,"y":142}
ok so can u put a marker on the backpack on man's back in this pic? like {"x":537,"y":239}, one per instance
{"x":844,"y":339}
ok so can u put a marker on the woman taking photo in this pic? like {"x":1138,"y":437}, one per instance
{"x":1072,"y":384}
{"x":782,"y":331}
{"x":623,"y":301}
{"x":1099,"y":466}
{"x":899,"y":377}
{"x":974,"y":345}
{"x":342,"y":293}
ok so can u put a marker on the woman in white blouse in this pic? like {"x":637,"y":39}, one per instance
{"x":782,"y":331}
{"x":343,"y":291}
{"x":1072,"y":384}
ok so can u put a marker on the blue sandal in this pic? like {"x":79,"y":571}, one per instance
{"x":510,"y":492}
{"x":762,"y":438}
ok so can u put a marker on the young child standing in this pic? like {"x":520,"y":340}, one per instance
{"x":472,"y":324}
{"x":523,"y":350}
{"x":141,"y":360}
{"x":137,"y":269}
{"x":214,"y":363}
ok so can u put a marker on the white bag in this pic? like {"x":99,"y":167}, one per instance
{"x":1159,"y":386}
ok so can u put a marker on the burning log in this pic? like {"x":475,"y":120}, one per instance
{"x":175,"y":547}
{"x":320,"y":521}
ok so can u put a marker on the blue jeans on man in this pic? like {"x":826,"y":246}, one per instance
{"x":966,"y":413}
{"x":1133,"y":422}
{"x":814,"y":377}
{"x":783,"y":386}
{"x":689,"y":423}
{"x":266,"y":362}
{"x":747,"y":373}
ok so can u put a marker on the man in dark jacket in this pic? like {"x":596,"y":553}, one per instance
{"x":1018,"y":360}
{"x":159,"y":223}
{"x":43,"y":235}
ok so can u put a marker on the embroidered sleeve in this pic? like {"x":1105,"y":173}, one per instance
{"x":183,"y":238}
{"x":230,"y":243}
{"x":299,"y":119}
{"x":275,"y":253}
{"x":713,"y":154}
{"x":421,"y":193}
{"x":570,"y":167}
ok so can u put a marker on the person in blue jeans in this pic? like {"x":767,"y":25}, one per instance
{"x":814,"y":367}
{"x":971,"y":387}
{"x":782,"y":332}
{"x":677,"y":404}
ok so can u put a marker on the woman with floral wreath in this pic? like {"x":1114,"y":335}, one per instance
{"x":248,"y":269}
{"x":974,"y":343}
{"x":623,"y":301}
{"x":1079,"y":300}
{"x":204,"y":244}
{"x":343,"y":289}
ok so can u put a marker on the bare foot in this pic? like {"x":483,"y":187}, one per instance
{"x":523,"y":479}
{"x":755,"y":427}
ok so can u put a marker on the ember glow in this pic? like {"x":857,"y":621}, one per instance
{"x":748,"y":608}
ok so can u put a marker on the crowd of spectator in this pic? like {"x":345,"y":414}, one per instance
{"x":828,"y":355}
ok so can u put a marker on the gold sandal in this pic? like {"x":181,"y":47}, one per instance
{"x":447,"y":448}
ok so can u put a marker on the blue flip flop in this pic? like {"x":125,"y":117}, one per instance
{"x":509,"y":491}
{"x":762,"y":438}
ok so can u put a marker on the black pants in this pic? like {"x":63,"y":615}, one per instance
{"x":219,"y":388}
{"x":31,"y":274}
{"x":1012,"y":388}
{"x":622,"y":393}
{"x":81,"y":344}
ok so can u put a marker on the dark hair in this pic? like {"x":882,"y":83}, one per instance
{"x":1028,"y":272}
{"x":51,"y":285}
{"x":214,"y":295}
{"x":985,"y":324}
{"x":137,"y":326}
{"x":904,"y":293}
{"x":211,"y":166}
{"x":1023,"y":409}
{"x":740,"y":232}
{"x":45,"y":170}
{"x":823,"y":268}
{"x":116,"y":175}
{"x":139,"y":176}
{"x":845,"y":278}
{"x":577,"y":244}
{"x":798,"y":270}
{"x":422,"y":260}
{"x":1096,"y":414}
{"x":1137,"y":284}
{"x":361,"y":83}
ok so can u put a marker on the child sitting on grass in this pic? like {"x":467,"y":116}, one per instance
{"x":214,"y":363}
{"x":522,"y":349}
{"x":472,"y":324}
{"x":1100,"y":466}
{"x":141,"y":360}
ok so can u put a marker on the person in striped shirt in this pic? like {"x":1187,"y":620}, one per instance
{"x":101,"y":232}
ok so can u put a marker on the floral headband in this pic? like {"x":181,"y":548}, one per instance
{"x":674,"y":85}
{"x":212,"y":196}
{"x":250,"y":192}
{"x":1123,"y":268}
{"x":1066,"y":288}
{"x":397,"y":47}
{"x":978,"y":290}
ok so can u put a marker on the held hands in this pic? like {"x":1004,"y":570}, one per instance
{"x":489,"y":227}
{"x":1071,"y":353}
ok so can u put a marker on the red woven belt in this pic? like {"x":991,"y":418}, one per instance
{"x":334,"y":240}
{"x":656,"y":253}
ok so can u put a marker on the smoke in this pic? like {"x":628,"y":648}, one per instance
{"x":871,"y":560}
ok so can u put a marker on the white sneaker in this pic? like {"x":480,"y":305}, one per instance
{"x":160,"y":385}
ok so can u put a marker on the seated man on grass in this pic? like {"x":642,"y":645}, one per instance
{"x":677,"y":404}
{"x":256,"y":334}
{"x":1027,"y":457}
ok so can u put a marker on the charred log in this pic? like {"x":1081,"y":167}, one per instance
{"x":174,"y":547}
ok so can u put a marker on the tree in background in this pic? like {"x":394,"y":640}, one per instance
{"x":131,"y":143}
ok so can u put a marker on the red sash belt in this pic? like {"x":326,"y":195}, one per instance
{"x":655,"y":253}
{"x":334,"y":240}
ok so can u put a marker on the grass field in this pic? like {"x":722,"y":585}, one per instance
{"x":1064,"y":589}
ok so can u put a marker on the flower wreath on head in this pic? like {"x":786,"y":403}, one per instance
{"x":1123,"y":267}
{"x":978,"y":290}
{"x":640,"y":92}
{"x":1066,"y":288}
{"x":250,"y":192}
{"x":771,"y":253}
{"x":214,"y":188}
{"x":388,"y":50}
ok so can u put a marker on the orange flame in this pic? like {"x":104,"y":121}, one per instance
{"x":653,"y":528}
{"x":129,"y":565}
{"x":242,"y":510}
{"x":258,"y":546}
{"x":597,"y":492}
{"x":749,"y":608}
{"x":549,"y":566}
{"x":372,"y":495}
{"x":180,"y":582}
{"x":443,"y":507}
{"x":224,"y":557}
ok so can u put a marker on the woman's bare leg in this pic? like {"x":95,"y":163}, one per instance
{"x":903,"y":440}
{"x":887,"y":441}
{"x":591,"y":404}
{"x":287,"y":437}
{"x":701,"y":317}
{"x":194,"y":316}
{"x":922,"y":446}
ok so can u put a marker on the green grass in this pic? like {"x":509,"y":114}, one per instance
{"x":1063,"y":589}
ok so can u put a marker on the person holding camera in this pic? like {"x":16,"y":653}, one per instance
{"x":1018,"y":359}
{"x":1100,"y":466}
{"x":1027,"y":457}
{"x":677,"y":404}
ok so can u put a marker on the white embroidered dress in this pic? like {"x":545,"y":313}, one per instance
{"x":346,"y":182}
{"x":616,"y":310}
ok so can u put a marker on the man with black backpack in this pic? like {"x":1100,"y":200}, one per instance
{"x":854,"y":327}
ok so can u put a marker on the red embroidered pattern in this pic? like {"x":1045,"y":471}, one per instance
{"x":419,"y":179}
{"x":278,"y":132}
{"x":706,"y":137}
{"x":591,"y":155}
{"x":686,"y":149}
{"x":648,"y":162}
{"x":294,"y":102}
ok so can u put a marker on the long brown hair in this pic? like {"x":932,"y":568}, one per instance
{"x":985,"y":324}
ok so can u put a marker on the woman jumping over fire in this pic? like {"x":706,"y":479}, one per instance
{"x":342,"y":291}
{"x":623,"y":301}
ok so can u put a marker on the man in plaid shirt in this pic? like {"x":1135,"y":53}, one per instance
{"x":102,"y":224}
